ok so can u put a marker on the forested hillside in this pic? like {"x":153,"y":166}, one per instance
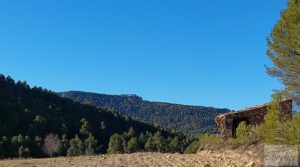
{"x":37,"y":122}
{"x":193,"y":120}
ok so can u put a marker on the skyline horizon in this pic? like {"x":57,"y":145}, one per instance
{"x":133,"y":94}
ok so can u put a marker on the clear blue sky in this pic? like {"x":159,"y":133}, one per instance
{"x":209,"y":53}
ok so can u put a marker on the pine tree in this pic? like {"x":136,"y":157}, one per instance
{"x":5,"y":146}
{"x":23,"y":152}
{"x":84,"y":130}
{"x":149,"y":145}
{"x":37,"y":148}
{"x":131,"y":133}
{"x":133,"y":145}
{"x":159,"y":141}
{"x":128,"y":135}
{"x":65,"y":144}
{"x":1,"y":149}
{"x":242,"y":134}
{"x":90,"y":144}
{"x":272,"y":131}
{"x":103,"y":125}
{"x":174,"y":144}
{"x":115,"y":144}
{"x":284,"y":48}
{"x":142,"y":139}
{"x":76,"y":147}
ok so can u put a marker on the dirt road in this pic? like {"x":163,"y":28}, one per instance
{"x":201,"y":159}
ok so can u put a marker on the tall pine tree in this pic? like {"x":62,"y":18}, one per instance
{"x":284,"y":48}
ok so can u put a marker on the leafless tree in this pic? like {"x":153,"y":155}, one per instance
{"x":52,"y":145}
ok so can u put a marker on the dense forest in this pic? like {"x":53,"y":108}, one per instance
{"x":186,"y":119}
{"x":35,"y":122}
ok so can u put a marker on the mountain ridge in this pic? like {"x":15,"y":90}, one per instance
{"x":188,"y":119}
{"x":135,"y":95}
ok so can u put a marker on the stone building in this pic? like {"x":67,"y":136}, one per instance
{"x":228,"y":122}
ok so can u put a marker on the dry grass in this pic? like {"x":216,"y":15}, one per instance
{"x":208,"y":158}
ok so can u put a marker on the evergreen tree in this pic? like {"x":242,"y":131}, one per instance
{"x":131,"y":133}
{"x":115,"y":144}
{"x":23,"y":152}
{"x":174,"y":144}
{"x":124,"y":145}
{"x":5,"y":146}
{"x":90,"y":144}
{"x":142,"y":139}
{"x":284,"y":48}
{"x":29,"y":114}
{"x":40,"y":123}
{"x":64,"y":144}
{"x":242,"y":134}
{"x":103,"y":125}
{"x":133,"y":145}
{"x":149,"y":145}
{"x":37,"y":147}
{"x":20,"y":139}
{"x":272,"y":131}
{"x":84,"y":130}
{"x":16,"y":143}
{"x":76,"y":147}
{"x":1,"y":149}
{"x":159,"y":141}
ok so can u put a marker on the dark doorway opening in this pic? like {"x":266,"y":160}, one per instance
{"x":236,"y":122}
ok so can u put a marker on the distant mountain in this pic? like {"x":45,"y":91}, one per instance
{"x":192,"y":120}
{"x":28,"y":115}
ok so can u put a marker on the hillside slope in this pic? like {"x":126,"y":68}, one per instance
{"x":27,"y":115}
{"x":183,"y":118}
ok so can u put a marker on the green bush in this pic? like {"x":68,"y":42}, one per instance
{"x":277,"y":131}
{"x":245,"y":135}
{"x":206,"y":142}
{"x":273,"y":130}
{"x":293,"y":130}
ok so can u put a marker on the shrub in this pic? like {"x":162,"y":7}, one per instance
{"x":205,"y":142}
{"x":245,"y":135}
{"x":277,"y":131}
{"x":293,"y":130}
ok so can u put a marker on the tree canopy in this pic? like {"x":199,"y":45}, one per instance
{"x":284,"y":48}
{"x":36,"y":122}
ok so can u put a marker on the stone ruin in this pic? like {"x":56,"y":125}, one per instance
{"x":228,"y":122}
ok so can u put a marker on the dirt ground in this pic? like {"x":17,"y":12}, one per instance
{"x":204,"y":158}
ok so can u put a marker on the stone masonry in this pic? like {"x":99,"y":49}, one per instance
{"x":228,"y":122}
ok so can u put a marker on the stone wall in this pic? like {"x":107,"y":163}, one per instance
{"x":228,"y":122}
